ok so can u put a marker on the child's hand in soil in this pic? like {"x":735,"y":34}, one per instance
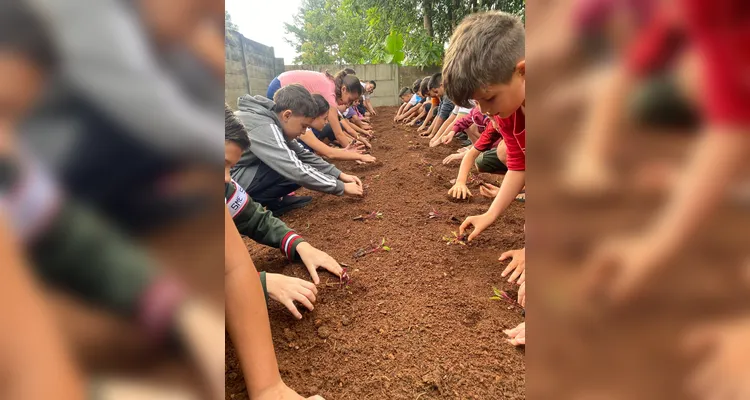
{"x":517,"y":335}
{"x":725,"y":374}
{"x":422,"y":128}
{"x":517,"y":265}
{"x":365,"y":142}
{"x":459,"y":191}
{"x":455,"y":157}
{"x":479,"y":222}
{"x":286,"y":290}
{"x":314,"y":259}
{"x":488,"y":190}
{"x":448,"y":137}
{"x":522,"y":295}
{"x":356,"y":147}
{"x":352,"y":189}
{"x":366,"y":158}
{"x":346,"y":178}
{"x":281,"y":391}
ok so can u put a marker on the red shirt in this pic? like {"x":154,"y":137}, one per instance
{"x":513,"y":132}
{"x":473,"y":117}
{"x":720,"y":31}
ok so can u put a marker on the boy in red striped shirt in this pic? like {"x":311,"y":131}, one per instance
{"x":486,"y":62}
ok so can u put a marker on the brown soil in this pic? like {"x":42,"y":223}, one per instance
{"x":416,"y":322}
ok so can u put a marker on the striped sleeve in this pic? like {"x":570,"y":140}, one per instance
{"x":289,"y":245}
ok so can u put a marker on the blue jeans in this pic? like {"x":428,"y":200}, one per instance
{"x":273,"y":88}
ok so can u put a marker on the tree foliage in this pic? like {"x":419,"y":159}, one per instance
{"x":357,"y":31}
{"x":228,"y":24}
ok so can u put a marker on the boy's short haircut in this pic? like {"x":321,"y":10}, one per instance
{"x":484,"y":50}
{"x":374,"y":85}
{"x":404,"y":91}
{"x":415,"y":86}
{"x":296,"y":98}
{"x":322,"y":104}
{"x":349,"y":71}
{"x":423,"y":87}
{"x":24,"y":32}
{"x":435,"y":81}
{"x":234,"y":130}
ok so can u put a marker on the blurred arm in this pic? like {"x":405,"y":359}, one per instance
{"x":246,"y":314}
{"x":30,"y":346}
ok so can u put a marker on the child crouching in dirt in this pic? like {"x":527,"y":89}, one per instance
{"x":247,"y":317}
{"x":500,"y":91}
{"x":320,"y":130}
{"x":255,"y":222}
{"x":276,"y":164}
{"x":414,"y":101}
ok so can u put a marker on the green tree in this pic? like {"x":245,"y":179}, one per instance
{"x":356,"y":31}
{"x":228,"y":24}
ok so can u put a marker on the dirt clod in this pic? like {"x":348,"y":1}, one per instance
{"x":324,"y":332}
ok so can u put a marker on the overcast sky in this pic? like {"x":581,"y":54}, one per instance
{"x":263,"y":22}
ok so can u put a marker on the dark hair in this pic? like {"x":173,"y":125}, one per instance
{"x":347,"y":80}
{"x":405,"y":90}
{"x":484,"y":50}
{"x":321,"y":103}
{"x":416,"y":85}
{"x":374,"y":85}
{"x":22,"y":31}
{"x":423,"y":86}
{"x":296,"y":98}
{"x":234,"y":131}
{"x":350,"y":71}
{"x":435,"y":80}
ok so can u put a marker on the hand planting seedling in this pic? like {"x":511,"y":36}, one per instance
{"x":372,"y":215}
{"x":344,"y":279}
{"x":375,"y":248}
{"x":455,"y":239}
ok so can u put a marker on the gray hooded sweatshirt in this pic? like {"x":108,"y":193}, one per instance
{"x":287,"y":157}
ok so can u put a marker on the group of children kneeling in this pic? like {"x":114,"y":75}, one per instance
{"x":274,"y":146}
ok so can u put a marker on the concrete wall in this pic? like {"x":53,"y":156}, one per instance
{"x":407,"y":75}
{"x":251,"y":66}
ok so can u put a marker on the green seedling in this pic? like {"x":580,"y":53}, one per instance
{"x":455,"y":239}
{"x":373,"y":249}
{"x":434,"y":214}
{"x":372,"y":215}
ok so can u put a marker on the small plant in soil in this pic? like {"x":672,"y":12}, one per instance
{"x":373,"y":249}
{"x":475,"y":179}
{"x":344,"y":279}
{"x":372,"y":215}
{"x":455,"y":239}
{"x":434,"y":214}
{"x":509,"y":297}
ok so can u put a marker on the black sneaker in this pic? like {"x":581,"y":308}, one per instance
{"x":287,"y":203}
{"x":465,"y":143}
{"x":462,"y":136}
